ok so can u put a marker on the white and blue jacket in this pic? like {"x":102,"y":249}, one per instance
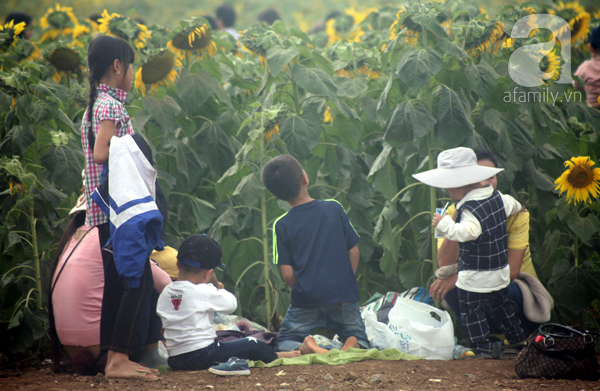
{"x":135,"y":221}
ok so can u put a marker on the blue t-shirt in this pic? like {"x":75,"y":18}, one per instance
{"x":314,"y":238}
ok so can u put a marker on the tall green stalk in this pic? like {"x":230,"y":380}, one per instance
{"x":265,"y":240}
{"x":36,"y":258}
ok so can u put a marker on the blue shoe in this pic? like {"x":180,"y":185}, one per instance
{"x":234,"y":366}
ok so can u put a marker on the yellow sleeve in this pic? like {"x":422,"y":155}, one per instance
{"x":518,"y":239}
{"x":517,"y":227}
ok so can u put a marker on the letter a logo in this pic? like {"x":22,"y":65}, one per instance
{"x":176,"y":303}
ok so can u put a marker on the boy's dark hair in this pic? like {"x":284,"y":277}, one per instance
{"x":227,"y":15}
{"x":282,"y":175}
{"x":269,"y":16}
{"x":595,"y":38}
{"x":484,"y":154}
{"x":187,"y":268}
{"x":102,"y":52}
{"x":19,"y":17}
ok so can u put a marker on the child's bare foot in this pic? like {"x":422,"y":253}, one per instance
{"x":351,"y":342}
{"x":292,"y":354}
{"x":310,"y":346}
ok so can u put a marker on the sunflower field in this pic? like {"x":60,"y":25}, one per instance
{"x":364,"y":103}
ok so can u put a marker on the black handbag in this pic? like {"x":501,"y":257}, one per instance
{"x":559,"y":352}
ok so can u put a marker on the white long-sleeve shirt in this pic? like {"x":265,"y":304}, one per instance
{"x":187,"y":311}
{"x":469,"y":229}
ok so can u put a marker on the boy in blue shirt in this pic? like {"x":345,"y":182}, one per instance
{"x":316,"y":247}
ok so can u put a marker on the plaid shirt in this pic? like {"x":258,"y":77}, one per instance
{"x":107,"y":107}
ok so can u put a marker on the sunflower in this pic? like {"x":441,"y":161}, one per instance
{"x":577,"y":18}
{"x":159,"y":69}
{"x":347,"y":27}
{"x":79,"y":32}
{"x":579,"y":180}
{"x":549,"y":64}
{"x":194,"y":36}
{"x":9,"y":33}
{"x":277,"y":114}
{"x":125,"y":28}
{"x":412,"y":28}
{"x":482,"y":38}
{"x":58,"y":21}
{"x":66,"y":59}
{"x":272,"y":131}
{"x":404,"y":23}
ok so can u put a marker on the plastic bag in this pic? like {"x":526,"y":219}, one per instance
{"x":421,"y":330}
{"x":379,"y":334}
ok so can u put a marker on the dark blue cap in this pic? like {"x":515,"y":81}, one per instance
{"x":201,"y":252}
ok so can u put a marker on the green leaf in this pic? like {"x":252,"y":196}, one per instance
{"x":429,"y":22}
{"x":64,"y":164}
{"x":67,"y":121}
{"x":250,"y":189}
{"x":415,"y":273}
{"x":584,"y":227}
{"x":239,"y":254}
{"x":384,"y":173}
{"x":301,"y":133}
{"x":203,"y":212}
{"x":18,"y":139}
{"x":385,"y":180}
{"x":163,"y":110}
{"x":417,"y":66}
{"x":352,"y":87}
{"x":483,"y":79}
{"x":409,"y":121}
{"x":453,"y":122}
{"x":278,"y":58}
{"x":279,"y":27}
{"x":575,"y":287}
{"x":301,"y":34}
{"x":381,"y":160}
{"x":315,"y":81}
{"x":322,"y":63}
{"x":196,"y":88}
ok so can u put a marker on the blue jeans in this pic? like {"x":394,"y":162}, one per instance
{"x":344,"y":319}
{"x":218,"y":352}
{"x":514,"y":293}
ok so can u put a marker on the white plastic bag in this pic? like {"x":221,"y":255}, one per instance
{"x":379,"y":334}
{"x":422,"y":330}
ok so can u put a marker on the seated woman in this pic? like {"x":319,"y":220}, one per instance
{"x":519,"y":257}
{"x":76,"y":293}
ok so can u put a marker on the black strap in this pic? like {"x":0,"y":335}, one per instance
{"x":66,"y":260}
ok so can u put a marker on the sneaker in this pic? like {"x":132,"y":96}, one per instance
{"x":495,"y":354}
{"x":460,"y":351}
{"x":234,"y":366}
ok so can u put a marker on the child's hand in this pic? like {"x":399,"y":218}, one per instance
{"x":220,"y":285}
{"x":436,"y":219}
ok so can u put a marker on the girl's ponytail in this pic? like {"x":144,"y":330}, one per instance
{"x":90,"y":111}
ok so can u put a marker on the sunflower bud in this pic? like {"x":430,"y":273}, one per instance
{"x":158,"y":67}
{"x":64,"y":59}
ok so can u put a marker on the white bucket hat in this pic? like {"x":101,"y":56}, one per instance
{"x":456,"y":168}
{"x":79,"y":206}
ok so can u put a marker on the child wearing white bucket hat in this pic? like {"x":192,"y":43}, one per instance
{"x":479,"y":225}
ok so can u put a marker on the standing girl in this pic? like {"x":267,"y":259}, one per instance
{"x":126,"y":324}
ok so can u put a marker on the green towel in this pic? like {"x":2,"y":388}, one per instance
{"x":337,"y":357}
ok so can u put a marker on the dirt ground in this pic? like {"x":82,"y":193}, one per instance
{"x":470,"y":374}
